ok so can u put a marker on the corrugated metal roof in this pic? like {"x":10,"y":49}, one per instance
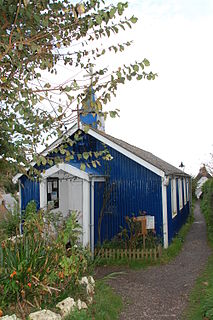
{"x":145,"y":155}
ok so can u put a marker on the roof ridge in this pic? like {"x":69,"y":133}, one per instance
{"x":149,"y":157}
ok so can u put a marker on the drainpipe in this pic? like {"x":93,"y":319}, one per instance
{"x":92,"y":217}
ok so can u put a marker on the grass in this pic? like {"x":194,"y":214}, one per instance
{"x":201,"y":298}
{"x":177,"y":243}
{"x":107,"y":305}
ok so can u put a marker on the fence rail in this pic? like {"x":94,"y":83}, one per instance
{"x":131,"y":254}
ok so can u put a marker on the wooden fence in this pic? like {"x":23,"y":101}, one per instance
{"x":131,"y":254}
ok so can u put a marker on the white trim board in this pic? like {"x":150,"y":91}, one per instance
{"x":127,"y":153}
{"x":165,"y":218}
{"x":107,"y":141}
{"x":66,"y":168}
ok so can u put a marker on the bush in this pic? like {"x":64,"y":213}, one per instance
{"x":37,"y":268}
{"x":131,"y":237}
{"x":10,"y":225}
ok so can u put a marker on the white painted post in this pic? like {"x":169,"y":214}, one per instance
{"x":43,"y":194}
{"x":165,"y":218}
{"x":19,"y":189}
{"x":92,"y":218}
{"x":86,"y":213}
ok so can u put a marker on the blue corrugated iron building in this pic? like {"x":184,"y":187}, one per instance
{"x":133,"y":181}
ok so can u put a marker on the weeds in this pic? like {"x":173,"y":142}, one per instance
{"x":201,"y":299}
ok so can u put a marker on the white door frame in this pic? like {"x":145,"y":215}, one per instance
{"x":88,"y":197}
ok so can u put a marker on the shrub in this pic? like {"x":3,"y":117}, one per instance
{"x":37,"y":267}
{"x":9,"y":226}
{"x":131,"y":237}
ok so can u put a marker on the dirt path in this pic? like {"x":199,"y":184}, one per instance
{"x":161,"y":292}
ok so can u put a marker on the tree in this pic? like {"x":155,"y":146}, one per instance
{"x":34,"y":36}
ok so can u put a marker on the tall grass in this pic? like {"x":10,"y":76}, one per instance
{"x":201,"y":299}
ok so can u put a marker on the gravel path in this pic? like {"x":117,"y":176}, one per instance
{"x":161,"y":292}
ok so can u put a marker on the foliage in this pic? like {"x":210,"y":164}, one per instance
{"x":9,"y":226}
{"x":201,"y":305}
{"x":178,"y":241}
{"x":130,"y":237}
{"x":35,"y":36}
{"x":36,"y":266}
{"x":107,"y":305}
{"x":207,"y":208}
{"x":194,"y":186}
{"x":167,"y":254}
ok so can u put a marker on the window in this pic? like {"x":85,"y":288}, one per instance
{"x":184,"y":190}
{"x":187,"y":189}
{"x":53,"y":193}
{"x":174,"y":197}
{"x":180,"y":192}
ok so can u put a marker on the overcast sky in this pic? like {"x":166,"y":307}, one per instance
{"x":171,"y":116}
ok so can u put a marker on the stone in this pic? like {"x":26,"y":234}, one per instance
{"x":13,"y":317}
{"x":90,"y":300}
{"x":66,"y":306}
{"x":81,"y":305}
{"x":44,"y":315}
{"x":84,"y":280}
{"x":90,"y":289}
{"x":91,"y":280}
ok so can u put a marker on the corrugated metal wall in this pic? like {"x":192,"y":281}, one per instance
{"x":174,"y":224}
{"x":29,"y":191}
{"x":132,"y":188}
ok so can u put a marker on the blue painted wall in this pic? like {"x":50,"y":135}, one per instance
{"x":133,"y":188}
{"x":174,"y":224}
{"x":29,"y":191}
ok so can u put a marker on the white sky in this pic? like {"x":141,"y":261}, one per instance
{"x":171,"y":116}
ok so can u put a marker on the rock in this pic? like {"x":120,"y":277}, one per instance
{"x":13,"y":317}
{"x":90,"y":289}
{"x":84,"y":280}
{"x":66,"y":306}
{"x":44,"y":315}
{"x":81,"y":305}
{"x":91,"y":280}
{"x":90,"y":300}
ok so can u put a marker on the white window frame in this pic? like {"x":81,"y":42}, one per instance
{"x":174,"y":197}
{"x":184,"y":191}
{"x":180,"y":193}
{"x":187,"y":190}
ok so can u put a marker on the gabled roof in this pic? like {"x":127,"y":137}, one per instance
{"x":167,"y":168}
{"x":141,"y":156}
{"x":203,"y":172}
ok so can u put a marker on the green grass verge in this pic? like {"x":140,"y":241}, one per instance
{"x":178,"y":241}
{"x":201,"y":298}
{"x":107,"y":305}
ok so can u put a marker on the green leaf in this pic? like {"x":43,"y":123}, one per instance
{"x":85,"y":155}
{"x":43,"y":161}
{"x":83,"y":166}
{"x":112,"y":13}
{"x":94,"y":164}
{"x":98,"y":19}
{"x":133,"y":19}
{"x":136,"y":68}
{"x":146,"y":62}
